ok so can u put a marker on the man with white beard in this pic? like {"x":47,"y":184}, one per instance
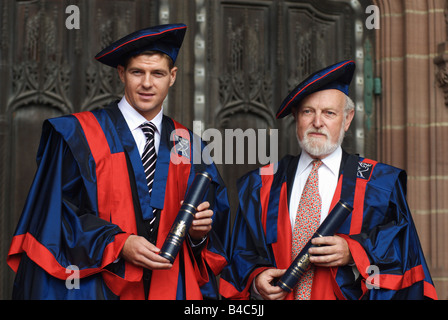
{"x":375,"y":254}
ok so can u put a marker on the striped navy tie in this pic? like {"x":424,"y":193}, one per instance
{"x":149,"y":156}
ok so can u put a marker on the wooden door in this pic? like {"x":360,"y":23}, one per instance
{"x":240,"y":58}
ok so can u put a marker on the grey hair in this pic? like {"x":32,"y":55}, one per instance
{"x":349,"y":105}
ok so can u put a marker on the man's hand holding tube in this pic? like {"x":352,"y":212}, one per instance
{"x":143,"y":253}
{"x":330,"y":251}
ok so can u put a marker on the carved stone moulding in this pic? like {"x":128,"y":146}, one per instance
{"x":442,"y":74}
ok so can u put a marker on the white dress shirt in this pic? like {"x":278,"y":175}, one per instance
{"x":135,"y":120}
{"x":328,"y":181}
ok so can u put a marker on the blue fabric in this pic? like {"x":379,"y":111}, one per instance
{"x":61,"y":210}
{"x":61,"y":213}
{"x":388,"y":233}
{"x":337,"y":76}
{"x":164,"y":38}
{"x":44,"y":286}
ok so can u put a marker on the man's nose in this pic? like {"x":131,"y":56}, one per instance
{"x":147,"y":81}
{"x":317,"y":120}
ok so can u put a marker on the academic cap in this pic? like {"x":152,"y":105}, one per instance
{"x":164,"y":38}
{"x":337,"y":76}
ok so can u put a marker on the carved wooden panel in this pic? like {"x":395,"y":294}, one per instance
{"x":240,"y":58}
{"x":26,"y":125}
{"x":48,"y":70}
{"x":258,"y":52}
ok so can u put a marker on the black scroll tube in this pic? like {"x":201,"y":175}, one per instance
{"x":185,"y":216}
{"x":302,"y":263}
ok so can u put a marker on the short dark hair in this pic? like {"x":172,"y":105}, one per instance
{"x":126,"y":60}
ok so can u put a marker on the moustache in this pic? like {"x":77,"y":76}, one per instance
{"x":319,"y":131}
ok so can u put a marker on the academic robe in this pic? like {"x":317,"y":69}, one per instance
{"x":380,"y":233}
{"x":90,"y":193}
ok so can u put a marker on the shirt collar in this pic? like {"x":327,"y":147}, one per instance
{"x":332,"y":161}
{"x":135,"y":119}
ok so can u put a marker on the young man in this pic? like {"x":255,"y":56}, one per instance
{"x":375,"y":254}
{"x":108,"y":187}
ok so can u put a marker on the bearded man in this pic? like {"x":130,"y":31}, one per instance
{"x":375,"y":254}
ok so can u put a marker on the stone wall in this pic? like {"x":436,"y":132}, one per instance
{"x":412,"y":119}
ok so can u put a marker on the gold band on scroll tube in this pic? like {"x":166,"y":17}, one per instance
{"x":167,"y":253}
{"x":205,"y":175}
{"x":189,"y":211}
{"x":342,"y":204}
{"x":285,"y":285}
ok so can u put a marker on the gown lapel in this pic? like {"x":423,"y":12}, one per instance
{"x":146,"y":203}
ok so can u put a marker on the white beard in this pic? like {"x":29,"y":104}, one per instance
{"x":314,"y":148}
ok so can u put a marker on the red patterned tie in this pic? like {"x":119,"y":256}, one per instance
{"x":306,"y":223}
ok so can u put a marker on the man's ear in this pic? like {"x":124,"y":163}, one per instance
{"x":173,"y":73}
{"x":121,"y":70}
{"x":349,"y":119}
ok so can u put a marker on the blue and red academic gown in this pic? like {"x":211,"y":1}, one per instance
{"x":380,"y":232}
{"x":89,"y":194}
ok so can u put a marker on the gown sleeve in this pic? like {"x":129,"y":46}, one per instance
{"x":59,"y":226}
{"x":249,"y":253}
{"x":387,"y":251}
